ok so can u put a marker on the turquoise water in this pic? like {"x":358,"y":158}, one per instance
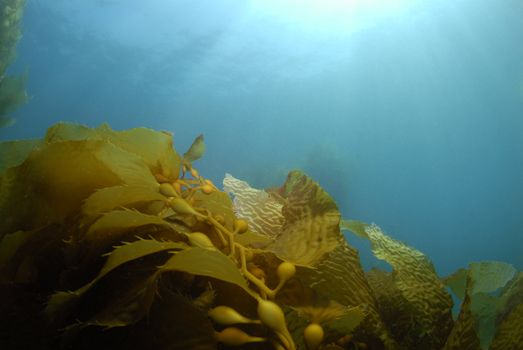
{"x":410,"y":115}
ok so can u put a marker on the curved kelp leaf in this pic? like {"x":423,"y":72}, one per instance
{"x":61,"y":302}
{"x":57,"y":177}
{"x":121,"y":220}
{"x":196,"y":150}
{"x":210,"y":263}
{"x":117,"y":225}
{"x":124,"y":196}
{"x":153,"y":147}
{"x":128,"y":166}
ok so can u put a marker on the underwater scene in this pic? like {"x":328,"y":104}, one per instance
{"x":261,"y":174}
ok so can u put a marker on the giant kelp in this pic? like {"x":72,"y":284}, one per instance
{"x":12,"y":88}
{"x":111,"y":239}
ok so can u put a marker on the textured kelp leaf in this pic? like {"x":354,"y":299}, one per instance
{"x":124,"y":196}
{"x":340,"y":277}
{"x":336,"y":320}
{"x":509,"y":335}
{"x":463,"y":335}
{"x":62,"y":302}
{"x":205,"y":262}
{"x":219,"y":203}
{"x":261,"y":210}
{"x":395,"y":310}
{"x":155,"y":148}
{"x":417,"y":280}
{"x":196,"y":150}
{"x":348,"y":322}
{"x":311,"y":227}
{"x":13,"y":153}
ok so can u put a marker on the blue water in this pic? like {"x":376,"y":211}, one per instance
{"x":410,"y":115}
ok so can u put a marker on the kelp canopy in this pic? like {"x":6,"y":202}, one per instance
{"x":112,"y":240}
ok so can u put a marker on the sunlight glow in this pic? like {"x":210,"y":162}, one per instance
{"x":330,"y":14}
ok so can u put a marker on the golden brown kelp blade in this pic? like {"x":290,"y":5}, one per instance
{"x":463,"y":335}
{"x":415,"y":278}
{"x":305,"y":225}
{"x":196,"y":150}
{"x":311,"y":225}
{"x":120,"y":239}
{"x":509,"y":335}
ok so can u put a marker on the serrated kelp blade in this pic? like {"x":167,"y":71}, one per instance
{"x":348,"y":321}
{"x":121,"y":220}
{"x":206,"y":262}
{"x":134,"y":250}
{"x":394,"y":309}
{"x":261,"y":210}
{"x":123,"y":196}
{"x":118,"y":257}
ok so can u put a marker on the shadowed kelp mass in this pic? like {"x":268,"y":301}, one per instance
{"x":111,"y":239}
